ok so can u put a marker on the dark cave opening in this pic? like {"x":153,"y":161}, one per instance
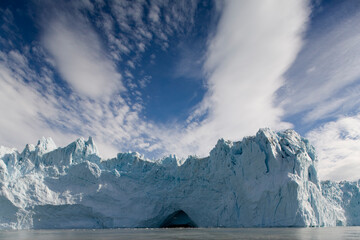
{"x":178,"y":219}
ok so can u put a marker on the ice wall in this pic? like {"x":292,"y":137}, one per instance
{"x":346,"y":196}
{"x":265,"y":180}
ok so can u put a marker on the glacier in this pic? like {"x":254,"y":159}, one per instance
{"x":266,"y":180}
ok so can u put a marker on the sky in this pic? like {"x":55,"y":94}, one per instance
{"x":172,"y":77}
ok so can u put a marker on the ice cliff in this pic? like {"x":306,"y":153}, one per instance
{"x":262,"y":181}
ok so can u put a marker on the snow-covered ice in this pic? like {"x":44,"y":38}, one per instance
{"x":266,"y":180}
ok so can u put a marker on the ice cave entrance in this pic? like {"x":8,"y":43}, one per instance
{"x":178,"y":219}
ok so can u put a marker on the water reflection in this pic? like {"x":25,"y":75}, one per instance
{"x":198,"y":233}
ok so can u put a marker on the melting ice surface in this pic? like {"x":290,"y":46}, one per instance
{"x":267,"y":180}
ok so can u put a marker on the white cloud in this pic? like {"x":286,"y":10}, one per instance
{"x":154,"y":13}
{"x":166,"y":18}
{"x":29,"y":112}
{"x":21,"y":107}
{"x":320,"y":82}
{"x":324,"y":84}
{"x":254,"y":45}
{"x":26,"y":113}
{"x":33,"y":104}
{"x":37,"y":106}
{"x":80,"y":59}
{"x":141,"y":47}
{"x":338,"y":147}
{"x":144,"y":81}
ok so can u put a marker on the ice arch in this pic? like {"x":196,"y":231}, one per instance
{"x":178,"y":219}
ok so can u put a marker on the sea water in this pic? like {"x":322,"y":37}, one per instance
{"x":186,"y":233}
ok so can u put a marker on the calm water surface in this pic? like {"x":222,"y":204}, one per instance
{"x":198,"y":233}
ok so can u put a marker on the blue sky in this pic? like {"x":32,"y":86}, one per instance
{"x":163,"y":77}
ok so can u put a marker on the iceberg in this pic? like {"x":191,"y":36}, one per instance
{"x":266,"y":180}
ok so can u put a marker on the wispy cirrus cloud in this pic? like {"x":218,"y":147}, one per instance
{"x":322,"y":89}
{"x":245,"y":63}
{"x":321,"y":83}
